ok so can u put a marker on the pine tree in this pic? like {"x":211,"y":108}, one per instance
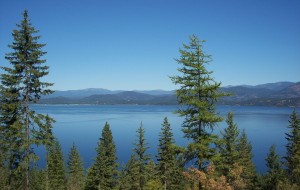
{"x":124,"y":182}
{"x":132,"y":168}
{"x":293,"y":149}
{"x":167,"y":164}
{"x":152,"y":178}
{"x":141,"y":156}
{"x":55,"y":167}
{"x":198,"y":94}
{"x":11,"y":136}
{"x":3,"y":172}
{"x":275,"y":172}
{"x":38,"y":179}
{"x":228,"y":148}
{"x":75,"y":170}
{"x":245,"y":159}
{"x":103,"y":173}
{"x":23,"y":83}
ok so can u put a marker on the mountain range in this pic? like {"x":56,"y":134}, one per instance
{"x":270,"y":94}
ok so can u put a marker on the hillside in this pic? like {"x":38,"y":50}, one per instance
{"x":271,"y":94}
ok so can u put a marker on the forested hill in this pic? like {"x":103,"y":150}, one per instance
{"x":271,"y":94}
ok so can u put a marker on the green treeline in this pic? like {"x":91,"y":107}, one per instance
{"x":217,"y":162}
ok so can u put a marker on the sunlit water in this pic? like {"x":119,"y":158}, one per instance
{"x":82,"y":125}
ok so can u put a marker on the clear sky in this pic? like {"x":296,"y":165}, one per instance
{"x":130,"y":45}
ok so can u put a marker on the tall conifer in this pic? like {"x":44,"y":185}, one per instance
{"x":55,"y":167}
{"x":11,"y":130}
{"x":22,"y":83}
{"x":197,"y":94}
{"x":228,"y":148}
{"x":168,"y":166}
{"x":75,"y":170}
{"x":38,"y":179}
{"x":245,"y":159}
{"x":293,"y":149}
{"x":124,"y":182}
{"x":103,"y":173}
{"x":132,"y":168}
{"x":275,"y":172}
{"x":142,"y":157}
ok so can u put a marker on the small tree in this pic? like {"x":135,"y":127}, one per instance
{"x":132,"y":168}
{"x":197,"y":94}
{"x":142,"y":157}
{"x":124,"y":182}
{"x":56,"y":167}
{"x":245,"y":159}
{"x":38,"y":179}
{"x":228,"y":147}
{"x":207,"y":180}
{"x":168,"y":166}
{"x":293,"y":149}
{"x":275,"y":172}
{"x":153,"y":181}
{"x":75,"y":170}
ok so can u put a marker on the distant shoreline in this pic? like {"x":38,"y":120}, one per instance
{"x":62,"y":104}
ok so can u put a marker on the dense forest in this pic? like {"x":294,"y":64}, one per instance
{"x":208,"y":162}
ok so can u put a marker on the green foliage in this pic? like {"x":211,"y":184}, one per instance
{"x":142,"y":158}
{"x":103,"y":173}
{"x":275,"y":172}
{"x":245,"y":160}
{"x":228,"y":148}
{"x":55,"y":167}
{"x":75,"y":175}
{"x":38,"y":179}
{"x":197,"y":94}
{"x":3,"y":173}
{"x":22,"y":85}
{"x":285,"y":184}
{"x":124,"y":182}
{"x":11,"y":131}
{"x":168,"y":166}
{"x":153,"y":184}
{"x":132,"y":168}
{"x":293,"y":149}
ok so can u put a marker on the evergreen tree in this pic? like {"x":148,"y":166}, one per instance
{"x":198,"y":94}
{"x":167,"y":163}
{"x":141,"y":156}
{"x":103,"y":173}
{"x":275,"y":173}
{"x":11,"y":136}
{"x":38,"y":179}
{"x":55,"y":167}
{"x":293,"y":149}
{"x":132,"y":168}
{"x":22,"y":83}
{"x":152,"y":178}
{"x":228,"y":148}
{"x":75,"y":170}
{"x":245,"y":159}
{"x":124,"y":182}
{"x":3,"y":172}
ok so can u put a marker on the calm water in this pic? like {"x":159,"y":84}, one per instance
{"x":82,"y":124}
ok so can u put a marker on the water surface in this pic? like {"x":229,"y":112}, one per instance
{"x":82,"y":125}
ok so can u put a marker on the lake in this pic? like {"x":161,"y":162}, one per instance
{"x":82,"y":125}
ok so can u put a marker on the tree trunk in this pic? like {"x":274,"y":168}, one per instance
{"x":27,"y":139}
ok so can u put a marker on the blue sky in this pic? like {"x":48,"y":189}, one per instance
{"x":132,"y":44}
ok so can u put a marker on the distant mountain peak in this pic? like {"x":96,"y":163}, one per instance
{"x":278,"y":94}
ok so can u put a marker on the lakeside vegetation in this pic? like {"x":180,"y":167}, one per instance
{"x":218,"y":162}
